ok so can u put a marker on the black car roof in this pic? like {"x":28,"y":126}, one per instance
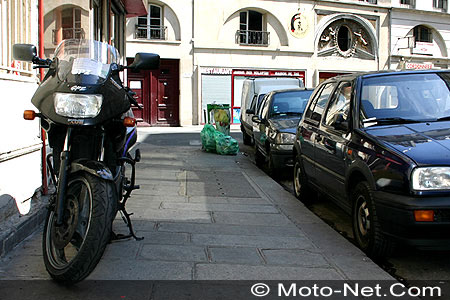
{"x":383,"y":73}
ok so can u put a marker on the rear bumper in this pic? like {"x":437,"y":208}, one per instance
{"x":396,"y":216}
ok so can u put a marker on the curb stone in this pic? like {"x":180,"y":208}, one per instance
{"x":16,"y":228}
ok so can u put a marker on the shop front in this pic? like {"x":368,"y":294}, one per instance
{"x":224,"y":86}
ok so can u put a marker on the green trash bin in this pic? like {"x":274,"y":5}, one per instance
{"x":219,"y":114}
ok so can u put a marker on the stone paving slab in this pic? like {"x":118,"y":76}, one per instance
{"x":299,"y":242}
{"x":294,"y":257}
{"x":178,"y":215}
{"x":268,"y":209}
{"x":235,"y":255}
{"x":250,"y":219}
{"x":173,"y":253}
{"x":246,"y":272}
{"x":231,"y":200}
{"x":150,"y":270}
{"x":229,"y":229}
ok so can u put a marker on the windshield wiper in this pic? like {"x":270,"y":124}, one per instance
{"x":395,"y":120}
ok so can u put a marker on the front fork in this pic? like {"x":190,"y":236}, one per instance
{"x":64,"y":170}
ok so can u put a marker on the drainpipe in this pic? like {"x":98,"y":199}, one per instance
{"x":41,"y":72}
{"x":390,"y":38}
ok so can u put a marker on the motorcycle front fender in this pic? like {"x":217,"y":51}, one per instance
{"x":92,"y":167}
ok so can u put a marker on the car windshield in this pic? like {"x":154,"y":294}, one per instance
{"x":289,"y":103}
{"x":405,"y":98}
{"x":85,"y":57}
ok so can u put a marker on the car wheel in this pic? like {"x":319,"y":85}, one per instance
{"x":366,"y":227}
{"x":301,"y":188}
{"x":246,"y":138}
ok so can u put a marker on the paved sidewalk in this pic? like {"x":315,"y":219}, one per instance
{"x":206,"y":216}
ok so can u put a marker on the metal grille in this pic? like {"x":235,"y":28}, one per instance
{"x":252,"y":37}
{"x":151,"y":32}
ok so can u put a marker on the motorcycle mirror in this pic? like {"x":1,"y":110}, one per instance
{"x":145,"y":61}
{"x":24,"y":52}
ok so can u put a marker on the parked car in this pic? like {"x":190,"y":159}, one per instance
{"x":274,"y":126}
{"x":378,"y":144}
{"x":253,"y":90}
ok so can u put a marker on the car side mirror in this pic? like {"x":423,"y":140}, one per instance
{"x":24,"y":52}
{"x":145,"y":61}
{"x":250,"y":112}
{"x":256,"y":119}
{"x":339,"y":123}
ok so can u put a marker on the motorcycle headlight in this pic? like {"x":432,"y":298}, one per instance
{"x":431,"y":178}
{"x":285,"y":138}
{"x":77,"y":105}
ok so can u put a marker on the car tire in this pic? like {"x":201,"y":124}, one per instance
{"x":365,"y":224}
{"x":302,"y":190}
{"x":247,"y":139}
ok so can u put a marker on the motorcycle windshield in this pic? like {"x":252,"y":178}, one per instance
{"x":85,"y":62}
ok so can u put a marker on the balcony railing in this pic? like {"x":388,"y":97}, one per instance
{"x":150,"y":32}
{"x":252,"y":37}
{"x":67,"y":33}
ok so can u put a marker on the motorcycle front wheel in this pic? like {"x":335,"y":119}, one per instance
{"x":73,"y":249}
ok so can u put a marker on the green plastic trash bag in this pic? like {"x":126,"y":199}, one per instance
{"x":208,"y":138}
{"x":226,"y":145}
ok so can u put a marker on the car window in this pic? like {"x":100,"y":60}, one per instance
{"x":258,"y":102}
{"x":253,"y":105}
{"x":340,"y":104}
{"x":416,"y":97}
{"x":289,"y":102}
{"x":262,"y":105}
{"x":320,"y":101}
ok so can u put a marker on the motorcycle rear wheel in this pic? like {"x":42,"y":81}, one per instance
{"x":72,"y":250}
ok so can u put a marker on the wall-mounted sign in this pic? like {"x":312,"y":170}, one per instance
{"x":298,"y":25}
{"x":255,"y":73}
{"x":423,"y":48}
{"x":216,"y":71}
{"x":418,"y":66}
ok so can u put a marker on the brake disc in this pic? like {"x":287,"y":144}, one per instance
{"x":62,"y":234}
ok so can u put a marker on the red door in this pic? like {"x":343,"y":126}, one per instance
{"x":139,"y":84}
{"x":157,"y":92}
{"x":166,"y":100}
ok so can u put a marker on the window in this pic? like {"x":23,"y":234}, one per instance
{"x":442,"y":4}
{"x":316,"y":108}
{"x":407,"y":2}
{"x":344,"y":38}
{"x":18,"y":25}
{"x":251,"y":29}
{"x":340,"y":103}
{"x":151,"y":25}
{"x":369,"y":1}
{"x":422,"y":34}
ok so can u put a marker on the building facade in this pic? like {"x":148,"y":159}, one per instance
{"x":209,"y":47}
{"x":420,"y":34}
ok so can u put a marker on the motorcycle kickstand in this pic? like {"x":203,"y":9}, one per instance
{"x":126,"y":218}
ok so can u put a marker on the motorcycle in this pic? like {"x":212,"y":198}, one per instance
{"x":86,"y":112}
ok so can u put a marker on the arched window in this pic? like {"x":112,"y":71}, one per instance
{"x":251,"y":29}
{"x":422,"y":34}
{"x":151,"y":26}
